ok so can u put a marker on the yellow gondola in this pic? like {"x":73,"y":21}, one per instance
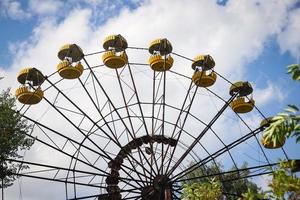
{"x":204,"y":79}
{"x":114,"y":60}
{"x":30,"y":91}
{"x":116,"y":42}
{"x":31,"y":74}
{"x":241,"y":105}
{"x":163,"y":46}
{"x":158,"y":63}
{"x":160,"y":60}
{"x":206,"y":62}
{"x":203,"y":75}
{"x":67,"y":71}
{"x":115,"y":57}
{"x":241,"y":87}
{"x":269,"y":144}
{"x":26,"y":96}
{"x":72,"y":51}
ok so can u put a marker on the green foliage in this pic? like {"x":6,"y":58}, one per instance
{"x":252,"y":195}
{"x":203,"y":171}
{"x":285,"y":182}
{"x":210,"y":190}
{"x":284,"y":124}
{"x":233,"y":186}
{"x":294,"y":70}
{"x":287,"y":123}
{"x":239,"y":186}
{"x":12,"y":137}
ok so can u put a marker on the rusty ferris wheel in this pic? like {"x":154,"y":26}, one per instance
{"x":134,"y":130}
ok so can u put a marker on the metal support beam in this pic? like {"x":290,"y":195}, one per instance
{"x":202,"y":133}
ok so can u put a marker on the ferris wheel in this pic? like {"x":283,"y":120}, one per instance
{"x":132,"y":128}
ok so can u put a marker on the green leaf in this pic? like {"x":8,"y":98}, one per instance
{"x":296,"y":75}
{"x":293,"y":67}
{"x":294,"y":71}
{"x":277,"y":118}
{"x":283,"y":114}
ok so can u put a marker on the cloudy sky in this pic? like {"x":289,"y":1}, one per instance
{"x":250,"y":40}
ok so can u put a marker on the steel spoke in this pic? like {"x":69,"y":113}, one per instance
{"x":202,"y":133}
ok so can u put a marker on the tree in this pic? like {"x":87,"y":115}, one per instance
{"x":285,"y":182}
{"x":12,"y":138}
{"x":240,"y":185}
{"x":210,"y":190}
{"x":233,"y":187}
{"x":253,"y":195}
{"x":207,"y":188}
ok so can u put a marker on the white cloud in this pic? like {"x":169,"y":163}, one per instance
{"x":271,"y":92}
{"x":263,"y":182}
{"x":94,"y":2}
{"x":45,"y":7}
{"x":289,"y":38}
{"x":13,"y":9}
{"x":33,"y":52}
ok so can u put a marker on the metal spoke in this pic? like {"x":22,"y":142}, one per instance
{"x":217,"y":153}
{"x":108,"y":98}
{"x":105,"y":155}
{"x":227,"y":172}
{"x":140,"y":152}
{"x":182,"y":110}
{"x":202,"y":133}
{"x":115,"y":141}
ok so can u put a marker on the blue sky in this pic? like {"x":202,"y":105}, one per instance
{"x":17,"y":19}
{"x":249,"y":40}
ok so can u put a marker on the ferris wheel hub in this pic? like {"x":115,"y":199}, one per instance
{"x":161,"y":181}
{"x":159,"y":190}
